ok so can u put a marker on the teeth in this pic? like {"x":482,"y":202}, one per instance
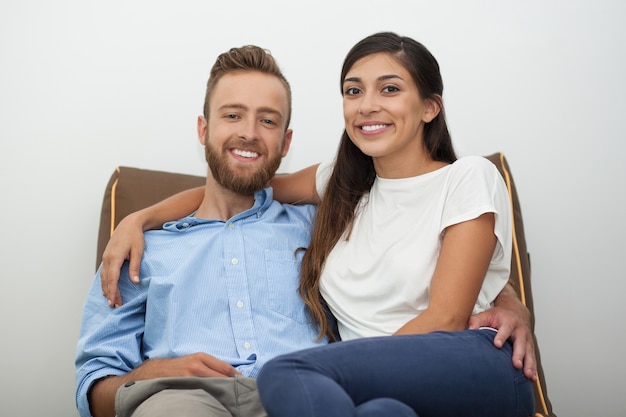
{"x":372,"y":127}
{"x":245,"y":154}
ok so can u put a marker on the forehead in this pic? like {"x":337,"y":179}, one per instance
{"x":375,"y":65}
{"x":251,"y":89}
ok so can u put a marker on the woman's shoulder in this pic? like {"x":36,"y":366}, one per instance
{"x":474,"y":163}
{"x":473,"y":170}
{"x":473,"y":160}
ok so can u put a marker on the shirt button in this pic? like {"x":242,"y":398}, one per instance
{"x":234,"y":261}
{"x":231,"y":226}
{"x":239,"y":304}
{"x":247,"y":345}
{"x":185,"y":224}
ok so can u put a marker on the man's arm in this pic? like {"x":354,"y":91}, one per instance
{"x":102,"y":393}
{"x":512,"y":319}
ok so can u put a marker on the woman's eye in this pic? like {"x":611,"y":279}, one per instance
{"x":351,"y":91}
{"x":391,"y":89}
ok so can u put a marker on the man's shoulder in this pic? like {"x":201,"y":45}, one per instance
{"x":300,"y":216}
{"x":304,"y":211}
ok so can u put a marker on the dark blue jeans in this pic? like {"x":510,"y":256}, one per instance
{"x":438,"y":374}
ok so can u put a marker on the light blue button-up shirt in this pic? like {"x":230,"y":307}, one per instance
{"x":227,"y":288}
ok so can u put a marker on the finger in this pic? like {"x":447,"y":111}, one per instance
{"x":227,"y":370}
{"x":530,"y":361}
{"x":505,"y":331}
{"x":219,"y":366}
{"x":109,"y":278}
{"x":473,"y":323}
{"x":500,"y":339}
{"x":484,"y":319}
{"x":228,"y":374}
{"x":135,"y":262}
{"x":520,"y":347}
{"x":117,"y":299}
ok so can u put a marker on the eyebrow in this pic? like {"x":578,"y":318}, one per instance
{"x":241,"y":106}
{"x":237,"y":106}
{"x":381,"y":78}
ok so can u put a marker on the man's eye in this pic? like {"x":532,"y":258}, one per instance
{"x":268,"y":121}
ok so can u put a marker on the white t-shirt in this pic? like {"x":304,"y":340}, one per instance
{"x":379,"y":279}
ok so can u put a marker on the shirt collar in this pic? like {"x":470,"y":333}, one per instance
{"x":262,"y":201}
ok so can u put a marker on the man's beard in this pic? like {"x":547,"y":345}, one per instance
{"x":246,"y":183}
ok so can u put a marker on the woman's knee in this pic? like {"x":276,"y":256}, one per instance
{"x":384,"y":407}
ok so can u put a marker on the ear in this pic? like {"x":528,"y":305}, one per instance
{"x":432,"y":108}
{"x":202,"y":129}
{"x":287,"y":142}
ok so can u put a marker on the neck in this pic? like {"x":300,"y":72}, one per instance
{"x":220,"y":203}
{"x":414,"y":161}
{"x":406,"y":169}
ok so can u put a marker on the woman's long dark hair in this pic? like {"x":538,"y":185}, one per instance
{"x":353,"y":173}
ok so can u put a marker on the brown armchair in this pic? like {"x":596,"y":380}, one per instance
{"x":131,"y":189}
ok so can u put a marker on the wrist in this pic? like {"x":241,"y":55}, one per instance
{"x":140,"y":219}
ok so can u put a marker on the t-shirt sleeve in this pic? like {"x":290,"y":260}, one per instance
{"x":322,"y":176}
{"x":476,"y":187}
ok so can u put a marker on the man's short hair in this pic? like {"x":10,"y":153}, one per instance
{"x":245,"y":58}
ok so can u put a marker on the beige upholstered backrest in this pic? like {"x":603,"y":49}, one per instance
{"x":520,"y":277}
{"x":131,"y":189}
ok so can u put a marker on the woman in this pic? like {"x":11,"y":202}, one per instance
{"x":409,"y":241}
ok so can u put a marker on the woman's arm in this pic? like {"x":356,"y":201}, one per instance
{"x":466,"y":250}
{"x":296,"y":188}
{"x":126,"y":242}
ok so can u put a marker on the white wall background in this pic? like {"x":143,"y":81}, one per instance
{"x":89,"y":85}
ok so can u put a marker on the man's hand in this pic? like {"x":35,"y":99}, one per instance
{"x":126,"y":243}
{"x":197,"y":364}
{"x":512,"y":319}
{"x":102,"y":393}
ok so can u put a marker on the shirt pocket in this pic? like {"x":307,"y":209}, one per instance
{"x":283,"y":277}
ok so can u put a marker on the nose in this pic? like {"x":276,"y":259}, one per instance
{"x":249,"y":130}
{"x":369,"y":103}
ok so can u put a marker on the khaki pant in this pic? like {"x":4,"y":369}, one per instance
{"x":189,"y":397}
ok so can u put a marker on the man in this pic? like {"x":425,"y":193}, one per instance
{"x":219,"y":293}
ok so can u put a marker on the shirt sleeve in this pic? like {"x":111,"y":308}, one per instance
{"x":476,"y":187}
{"x":322,"y":176}
{"x":110,"y":339}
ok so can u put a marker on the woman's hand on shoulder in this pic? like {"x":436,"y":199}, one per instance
{"x":126,"y":243}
